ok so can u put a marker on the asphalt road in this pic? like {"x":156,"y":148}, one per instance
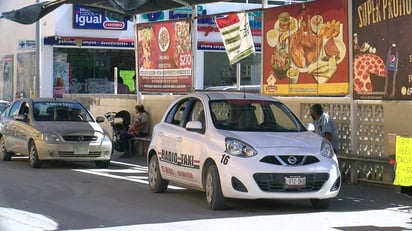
{"x":78,"y":196}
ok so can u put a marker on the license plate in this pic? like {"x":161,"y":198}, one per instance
{"x":81,"y":150}
{"x":295,"y":181}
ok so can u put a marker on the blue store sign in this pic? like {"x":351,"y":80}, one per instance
{"x":98,"y":19}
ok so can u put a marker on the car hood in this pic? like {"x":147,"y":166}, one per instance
{"x":69,"y":127}
{"x":305,"y":139}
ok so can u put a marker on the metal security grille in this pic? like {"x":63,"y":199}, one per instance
{"x":80,"y":138}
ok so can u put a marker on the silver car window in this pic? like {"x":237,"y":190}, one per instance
{"x":60,"y":111}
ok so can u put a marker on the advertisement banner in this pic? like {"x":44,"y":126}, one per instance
{"x":208,"y":34}
{"x":305,"y":49}
{"x":26,"y":72}
{"x":61,"y":79}
{"x":165,"y":57}
{"x":381,"y":47}
{"x":236,"y":36}
{"x":7,"y":80}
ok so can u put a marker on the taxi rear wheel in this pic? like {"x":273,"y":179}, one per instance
{"x":156,"y":183}
{"x":34,"y":160}
{"x":4,"y":154}
{"x":214,"y":195}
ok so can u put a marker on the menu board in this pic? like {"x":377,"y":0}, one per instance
{"x":164,"y":51}
{"x":305,"y":49}
{"x":381,"y":48}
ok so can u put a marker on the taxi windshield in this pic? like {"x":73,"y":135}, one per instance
{"x":254,"y":115}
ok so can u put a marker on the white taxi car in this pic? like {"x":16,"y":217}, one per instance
{"x":240,"y":145}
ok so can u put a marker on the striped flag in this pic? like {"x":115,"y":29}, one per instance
{"x":236,"y":36}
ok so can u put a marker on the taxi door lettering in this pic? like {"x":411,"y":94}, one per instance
{"x":187,"y":160}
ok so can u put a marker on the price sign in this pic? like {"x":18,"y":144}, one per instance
{"x":403,"y":174}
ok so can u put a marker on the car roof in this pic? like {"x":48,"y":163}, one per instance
{"x":45,"y":99}
{"x":225,"y":95}
{"x":247,"y":88}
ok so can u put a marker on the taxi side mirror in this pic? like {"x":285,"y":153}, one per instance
{"x":195,"y":126}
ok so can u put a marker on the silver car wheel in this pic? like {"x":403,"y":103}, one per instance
{"x":34,"y":160}
{"x":4,"y":154}
{"x":156,"y":182}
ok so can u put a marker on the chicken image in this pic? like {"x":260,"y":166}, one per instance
{"x":304,"y":47}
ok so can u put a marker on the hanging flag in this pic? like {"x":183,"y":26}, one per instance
{"x":236,"y":36}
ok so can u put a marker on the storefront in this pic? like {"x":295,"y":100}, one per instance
{"x":81,"y":47}
{"x":210,"y":58}
{"x":79,"y":51}
{"x":89,"y":44}
{"x":91,"y":69}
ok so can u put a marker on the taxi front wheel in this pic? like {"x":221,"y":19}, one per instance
{"x":214,"y":195}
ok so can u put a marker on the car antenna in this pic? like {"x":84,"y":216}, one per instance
{"x":244,"y":92}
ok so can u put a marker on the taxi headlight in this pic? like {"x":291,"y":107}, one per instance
{"x":326,"y":149}
{"x":49,"y":137}
{"x":238,"y":148}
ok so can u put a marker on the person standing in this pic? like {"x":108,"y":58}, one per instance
{"x":139,"y":128}
{"x":324,"y":125}
{"x":121,"y":87}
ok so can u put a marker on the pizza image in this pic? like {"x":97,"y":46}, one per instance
{"x":363,"y":66}
{"x":164,"y":39}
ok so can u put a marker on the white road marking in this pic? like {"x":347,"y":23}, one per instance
{"x":133,"y":169}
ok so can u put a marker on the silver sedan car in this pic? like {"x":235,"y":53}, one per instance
{"x":53,"y":129}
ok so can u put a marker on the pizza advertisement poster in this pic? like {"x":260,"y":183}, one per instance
{"x":164,"y":54}
{"x":381,"y":49}
{"x":304,"y":48}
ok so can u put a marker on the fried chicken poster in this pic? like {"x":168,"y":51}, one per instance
{"x":305,"y":49}
{"x":164,"y":52}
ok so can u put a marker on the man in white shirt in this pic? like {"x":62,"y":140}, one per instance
{"x":324,"y":125}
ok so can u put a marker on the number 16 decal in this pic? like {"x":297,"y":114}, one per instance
{"x":225,"y":159}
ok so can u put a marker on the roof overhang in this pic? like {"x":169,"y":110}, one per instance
{"x":125,"y":8}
